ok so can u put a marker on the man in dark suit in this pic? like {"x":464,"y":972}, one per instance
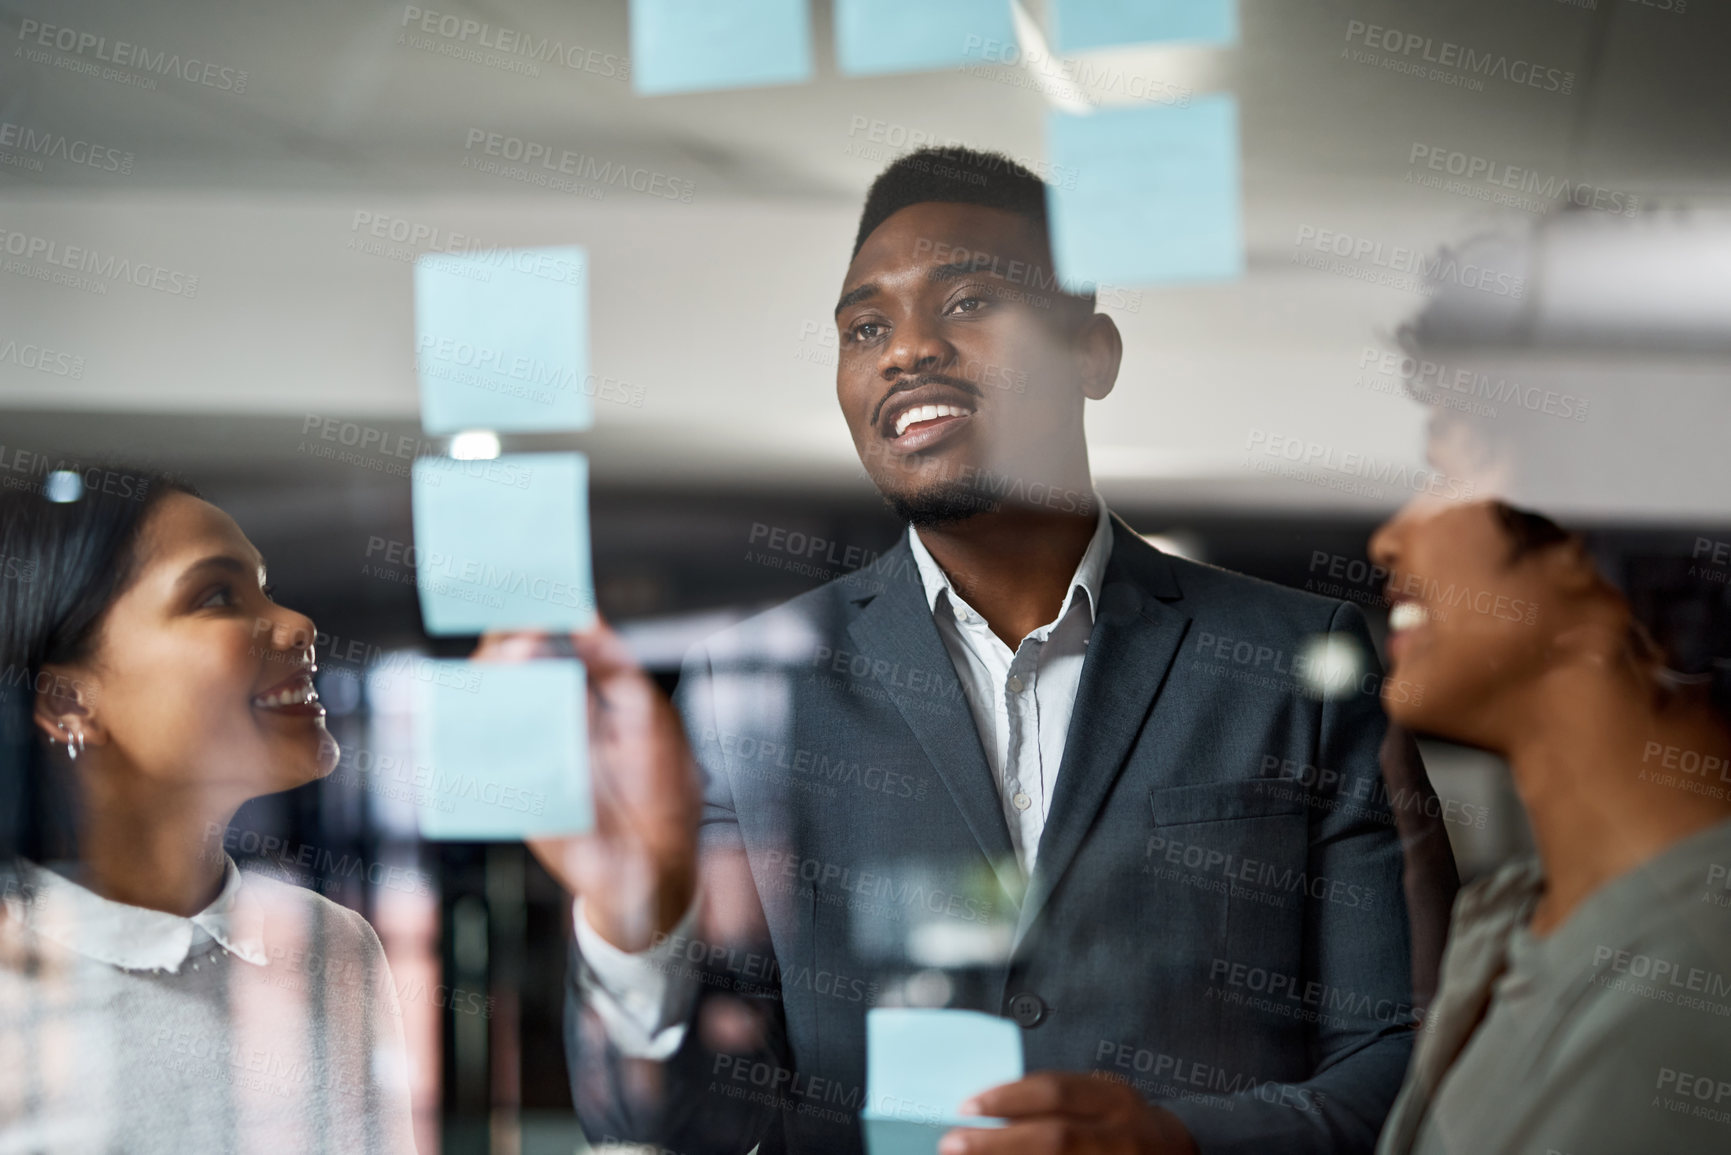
{"x":1022,"y":762}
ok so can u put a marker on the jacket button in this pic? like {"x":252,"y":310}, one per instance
{"x":1027,"y":1009}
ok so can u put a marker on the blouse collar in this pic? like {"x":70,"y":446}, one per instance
{"x":135,"y":938}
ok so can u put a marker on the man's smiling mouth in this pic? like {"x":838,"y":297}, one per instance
{"x":924,"y":416}
{"x":917,"y":417}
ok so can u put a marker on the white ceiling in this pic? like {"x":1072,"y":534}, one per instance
{"x":717,"y":309}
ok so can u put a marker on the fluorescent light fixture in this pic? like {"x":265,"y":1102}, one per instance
{"x":63,"y":486}
{"x":475,"y":445}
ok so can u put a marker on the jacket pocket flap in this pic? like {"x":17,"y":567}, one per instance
{"x":1224,"y":801}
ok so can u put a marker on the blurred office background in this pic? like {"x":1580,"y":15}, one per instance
{"x":723,"y":477}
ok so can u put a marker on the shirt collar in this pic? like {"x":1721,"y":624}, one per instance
{"x":132,"y":937}
{"x":1090,"y":571}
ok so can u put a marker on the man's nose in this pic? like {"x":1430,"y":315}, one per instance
{"x":915,"y":347}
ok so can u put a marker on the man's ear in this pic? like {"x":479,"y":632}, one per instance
{"x":1100,"y":347}
{"x":65,"y":706}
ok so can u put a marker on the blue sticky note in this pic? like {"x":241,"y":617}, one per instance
{"x":501,"y":750}
{"x":1156,"y":194}
{"x":692,"y":45}
{"x":503,"y":543}
{"x":502,"y":340}
{"x":1078,"y":25}
{"x":922,"y":1064}
{"x":873,"y":37}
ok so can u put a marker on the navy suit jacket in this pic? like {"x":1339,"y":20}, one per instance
{"x":1215,"y":912}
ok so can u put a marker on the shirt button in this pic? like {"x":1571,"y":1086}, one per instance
{"x":1027,"y":1009}
{"x":1015,"y":683}
{"x":1021,"y":801}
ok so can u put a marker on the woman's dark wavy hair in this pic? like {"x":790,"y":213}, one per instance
{"x":62,"y":564}
{"x":1686,"y":620}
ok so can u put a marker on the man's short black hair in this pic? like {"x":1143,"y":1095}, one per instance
{"x":954,"y":175}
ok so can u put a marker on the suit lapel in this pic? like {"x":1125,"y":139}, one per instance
{"x":1136,"y":635}
{"x":896,"y":632}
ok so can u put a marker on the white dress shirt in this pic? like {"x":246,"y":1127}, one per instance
{"x":1021,"y":699}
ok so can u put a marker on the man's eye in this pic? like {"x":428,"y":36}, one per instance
{"x":866,"y":331}
{"x":218,"y":597}
{"x":968,"y":305}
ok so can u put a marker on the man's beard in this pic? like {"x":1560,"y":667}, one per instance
{"x":942,"y":504}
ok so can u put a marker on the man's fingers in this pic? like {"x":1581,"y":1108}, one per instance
{"x":1048,"y":1136}
{"x":1049,"y":1093}
{"x":563,"y":858}
{"x":603,"y":651}
{"x":511,"y":646}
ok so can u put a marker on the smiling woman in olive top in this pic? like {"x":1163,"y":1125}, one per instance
{"x":152,"y":997}
{"x":1584,"y":994}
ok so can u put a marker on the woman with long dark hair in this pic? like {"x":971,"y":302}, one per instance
{"x":152,"y":997}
